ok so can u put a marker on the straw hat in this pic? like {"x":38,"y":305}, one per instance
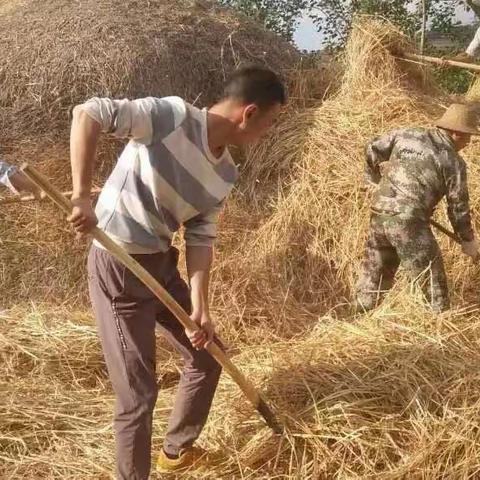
{"x":460,"y":118}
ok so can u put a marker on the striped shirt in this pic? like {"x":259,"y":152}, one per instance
{"x":166,"y":176}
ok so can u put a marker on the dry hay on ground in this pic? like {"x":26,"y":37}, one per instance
{"x":387,"y":398}
{"x":391,"y":395}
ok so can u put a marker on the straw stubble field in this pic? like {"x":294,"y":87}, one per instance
{"x":390,"y":395}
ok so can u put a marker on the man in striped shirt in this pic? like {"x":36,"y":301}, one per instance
{"x":176,"y":170}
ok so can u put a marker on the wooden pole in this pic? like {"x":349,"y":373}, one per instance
{"x":122,"y":256}
{"x":447,"y":232}
{"x":451,"y":235}
{"x":439,"y":61}
{"x":33,"y":198}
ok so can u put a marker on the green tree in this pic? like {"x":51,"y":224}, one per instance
{"x":280,"y":16}
{"x":334,"y":17}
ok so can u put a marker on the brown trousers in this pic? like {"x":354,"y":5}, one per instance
{"x":127,"y":314}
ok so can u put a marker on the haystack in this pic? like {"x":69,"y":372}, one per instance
{"x":309,"y":171}
{"x":473,"y":93}
{"x":386,"y":396}
{"x":58,"y":53}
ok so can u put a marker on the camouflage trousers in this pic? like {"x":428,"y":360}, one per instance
{"x":394,"y":240}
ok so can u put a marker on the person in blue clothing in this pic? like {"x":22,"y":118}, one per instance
{"x":15,"y":180}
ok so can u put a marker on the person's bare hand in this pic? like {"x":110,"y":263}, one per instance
{"x":202,"y":337}
{"x":471,"y":249}
{"x":82,"y":218}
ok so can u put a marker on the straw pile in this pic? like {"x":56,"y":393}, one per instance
{"x":58,"y":53}
{"x":391,"y":395}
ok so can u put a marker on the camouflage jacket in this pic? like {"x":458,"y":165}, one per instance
{"x":422,"y":167}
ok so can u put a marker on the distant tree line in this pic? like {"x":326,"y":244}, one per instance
{"x":334,"y":17}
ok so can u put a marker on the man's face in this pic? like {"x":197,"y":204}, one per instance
{"x":254,"y":123}
{"x":461,"y":140}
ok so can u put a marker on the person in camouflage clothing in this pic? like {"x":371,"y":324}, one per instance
{"x":422,"y":166}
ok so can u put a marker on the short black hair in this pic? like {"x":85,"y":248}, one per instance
{"x":255,"y":84}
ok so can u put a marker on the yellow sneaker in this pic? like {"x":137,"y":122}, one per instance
{"x":190,"y":458}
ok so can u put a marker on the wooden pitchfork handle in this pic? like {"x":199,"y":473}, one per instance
{"x":439,"y":61}
{"x":451,"y":235}
{"x":33,"y":198}
{"x":122,"y":256}
{"x":447,"y":232}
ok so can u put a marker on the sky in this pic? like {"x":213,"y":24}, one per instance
{"x":307,"y":38}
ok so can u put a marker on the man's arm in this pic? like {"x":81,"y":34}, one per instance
{"x":121,"y":118}
{"x":200,"y":234}
{"x":84,"y":137}
{"x":473,"y":48}
{"x":377,"y":152}
{"x":458,"y":199}
{"x":199,"y":262}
